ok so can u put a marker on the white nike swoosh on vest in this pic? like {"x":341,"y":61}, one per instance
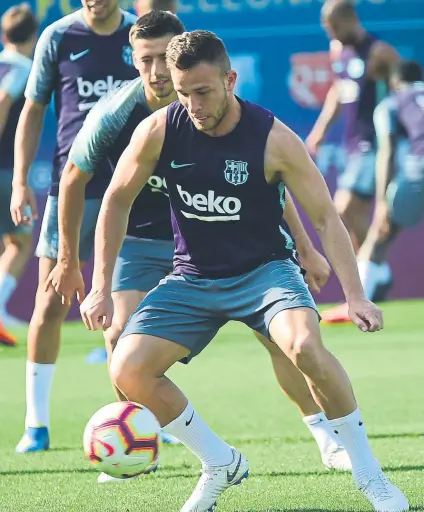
{"x":76,"y":56}
{"x":176,"y":166}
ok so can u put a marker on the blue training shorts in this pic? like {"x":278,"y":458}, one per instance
{"x":405,"y":194}
{"x":190,"y":310}
{"x":142,"y":263}
{"x":48,"y":242}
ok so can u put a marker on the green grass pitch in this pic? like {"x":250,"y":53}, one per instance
{"x":232,"y":386}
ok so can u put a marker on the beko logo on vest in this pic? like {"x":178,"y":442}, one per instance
{"x":87,"y":89}
{"x":227,"y":207}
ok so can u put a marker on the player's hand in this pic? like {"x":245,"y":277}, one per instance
{"x":366,"y":315}
{"x":313,"y":142}
{"x":317,"y":269}
{"x":66,"y":281}
{"x":97,"y":310}
{"x":23,"y":205}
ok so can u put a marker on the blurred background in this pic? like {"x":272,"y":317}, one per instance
{"x":281,"y":54}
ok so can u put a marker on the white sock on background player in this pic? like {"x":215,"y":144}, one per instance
{"x":373,"y":275}
{"x":7,"y":287}
{"x":39,"y":379}
{"x":193,"y":432}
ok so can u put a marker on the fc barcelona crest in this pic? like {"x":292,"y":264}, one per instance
{"x":127,"y":55}
{"x":236,"y":172}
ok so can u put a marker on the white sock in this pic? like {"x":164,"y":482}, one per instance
{"x":323,"y":432}
{"x":7,"y":287}
{"x":200,"y":439}
{"x":354,"y":438}
{"x":368,"y":273}
{"x":372,"y":275}
{"x":39,"y":378}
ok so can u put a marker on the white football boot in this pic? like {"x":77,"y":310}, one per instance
{"x":214,"y":481}
{"x":337,"y":458}
{"x":381,"y":493}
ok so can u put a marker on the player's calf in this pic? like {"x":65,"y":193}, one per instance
{"x":138,"y":368}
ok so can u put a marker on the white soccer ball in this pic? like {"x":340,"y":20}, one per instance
{"x":123,"y":439}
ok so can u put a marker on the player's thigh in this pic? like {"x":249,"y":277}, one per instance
{"x":273,"y":349}
{"x":142,"y":264}
{"x":405,"y":194}
{"x":143,"y":354}
{"x":358,"y":176}
{"x":180,"y":309}
{"x":296,"y":331}
{"x":125,"y":302}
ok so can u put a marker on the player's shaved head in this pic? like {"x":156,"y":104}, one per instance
{"x":338,"y":9}
{"x":189,"y":49}
{"x":144,"y":6}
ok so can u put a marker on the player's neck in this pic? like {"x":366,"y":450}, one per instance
{"x":23,"y":49}
{"x":106,"y":26}
{"x":154,"y":103}
{"x":229,"y":121}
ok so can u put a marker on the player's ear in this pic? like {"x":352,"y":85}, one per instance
{"x":231,"y":77}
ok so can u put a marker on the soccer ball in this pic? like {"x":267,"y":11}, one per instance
{"x":123,"y":439}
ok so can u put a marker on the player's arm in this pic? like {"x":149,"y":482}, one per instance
{"x":385,"y":123}
{"x":27,"y":139}
{"x":12,"y":87}
{"x":316,"y":266}
{"x":6,"y":103}
{"x":136,"y":165}
{"x":329,"y":113}
{"x":66,"y":277}
{"x":288,"y":159}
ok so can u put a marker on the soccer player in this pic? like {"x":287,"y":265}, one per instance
{"x":78,"y":58}
{"x":146,"y":255}
{"x":19,"y":29}
{"x":226,"y":163}
{"x":361,"y":64}
{"x":400,"y":190}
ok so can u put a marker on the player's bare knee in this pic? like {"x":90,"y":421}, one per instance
{"x":49,"y":307}
{"x":20,"y":243}
{"x":305,"y":351}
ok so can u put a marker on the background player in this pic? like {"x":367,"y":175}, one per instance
{"x":230,"y":262}
{"x":361,"y":64}
{"x":19,"y":29}
{"x":146,"y":255}
{"x":78,"y":58}
{"x":400,"y":192}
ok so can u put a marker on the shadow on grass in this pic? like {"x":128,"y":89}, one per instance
{"x":295,"y":440}
{"x":175,"y":472}
{"x":415,"y":509}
